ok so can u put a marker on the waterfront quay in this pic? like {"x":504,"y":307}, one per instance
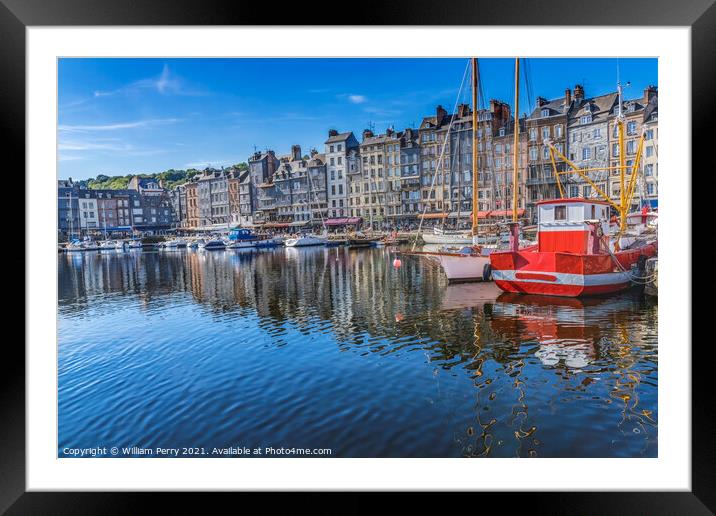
{"x":340,"y":351}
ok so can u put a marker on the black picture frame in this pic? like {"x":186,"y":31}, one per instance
{"x":17,"y":15}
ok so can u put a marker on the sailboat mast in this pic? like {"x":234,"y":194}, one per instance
{"x":475,"y":205}
{"x":515,"y":147}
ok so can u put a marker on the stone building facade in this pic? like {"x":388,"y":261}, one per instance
{"x":338,"y":148}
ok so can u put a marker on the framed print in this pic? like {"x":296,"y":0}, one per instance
{"x":413,"y":253}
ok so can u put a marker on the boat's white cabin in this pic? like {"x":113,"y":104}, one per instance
{"x":571,"y":212}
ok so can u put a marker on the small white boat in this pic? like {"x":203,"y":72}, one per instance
{"x":75,"y":247}
{"x":305,"y":241}
{"x":439,"y":236}
{"x":176,"y":243}
{"x":468,"y":264}
{"x":107,"y":245}
{"x":214,"y":245}
{"x":134,"y":244}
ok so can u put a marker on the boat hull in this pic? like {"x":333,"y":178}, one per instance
{"x":304,"y":242}
{"x":566,"y":274}
{"x":462,"y":268}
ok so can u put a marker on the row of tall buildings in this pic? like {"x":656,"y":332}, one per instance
{"x":396,"y":177}
{"x":144,"y":206}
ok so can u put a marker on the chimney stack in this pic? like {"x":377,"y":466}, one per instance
{"x":367,"y":133}
{"x":578,"y":92}
{"x":440,"y":115}
{"x":567,"y":97}
{"x":332,"y":132}
{"x":296,"y":152}
{"x":649,"y":92}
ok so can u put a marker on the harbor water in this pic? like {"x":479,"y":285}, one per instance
{"x":337,"y":349}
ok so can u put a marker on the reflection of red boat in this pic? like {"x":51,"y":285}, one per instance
{"x":573,"y":256}
{"x":566,"y":329}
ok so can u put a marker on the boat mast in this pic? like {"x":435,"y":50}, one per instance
{"x":72,"y":216}
{"x":475,"y":205}
{"x":517,"y":139}
{"x":620,"y":128}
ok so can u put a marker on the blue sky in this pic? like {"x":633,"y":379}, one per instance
{"x":123,"y":116}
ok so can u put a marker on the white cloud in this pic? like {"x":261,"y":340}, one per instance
{"x":166,"y":83}
{"x":357,"y":99}
{"x":123,"y":125}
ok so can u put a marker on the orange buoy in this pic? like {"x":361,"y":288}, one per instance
{"x":398,"y":317}
{"x":397,"y":263}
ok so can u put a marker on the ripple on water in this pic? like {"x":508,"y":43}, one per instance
{"x":337,"y":349}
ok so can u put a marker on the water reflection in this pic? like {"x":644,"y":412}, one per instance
{"x":400,"y":363}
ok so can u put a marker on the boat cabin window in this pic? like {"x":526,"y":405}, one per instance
{"x":594,"y":212}
{"x":560,"y":213}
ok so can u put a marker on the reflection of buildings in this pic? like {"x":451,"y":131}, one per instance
{"x":504,"y":362}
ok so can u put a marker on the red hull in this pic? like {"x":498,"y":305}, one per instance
{"x":530,"y":271}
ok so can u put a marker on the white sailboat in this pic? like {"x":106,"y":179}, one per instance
{"x":441,"y":236}
{"x":306,"y":240}
{"x":471,"y":263}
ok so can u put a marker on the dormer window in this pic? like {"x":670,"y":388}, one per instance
{"x":587,"y":108}
{"x":544,"y":112}
{"x":502,"y":131}
{"x":586,"y":119}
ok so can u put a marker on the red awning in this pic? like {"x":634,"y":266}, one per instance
{"x":343,"y":221}
{"x":504,"y":213}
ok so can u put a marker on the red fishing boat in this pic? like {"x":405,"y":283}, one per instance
{"x":574,"y":255}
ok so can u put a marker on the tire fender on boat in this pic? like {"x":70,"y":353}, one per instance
{"x":487,"y":272}
{"x":641,"y":264}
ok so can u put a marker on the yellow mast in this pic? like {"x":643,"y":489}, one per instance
{"x":517,"y":139}
{"x":475,"y":205}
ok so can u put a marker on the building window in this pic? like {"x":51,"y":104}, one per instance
{"x":586,"y":153}
{"x":544,"y":112}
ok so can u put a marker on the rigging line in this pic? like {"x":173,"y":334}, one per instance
{"x":442,"y":153}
